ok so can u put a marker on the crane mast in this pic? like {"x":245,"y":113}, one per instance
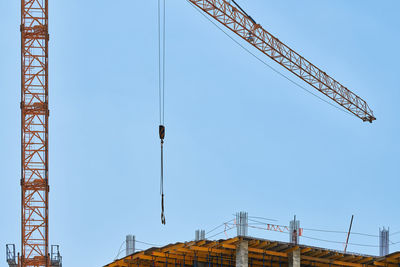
{"x":34,"y":134}
{"x":236,"y":20}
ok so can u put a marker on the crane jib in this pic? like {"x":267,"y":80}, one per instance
{"x":237,"y":20}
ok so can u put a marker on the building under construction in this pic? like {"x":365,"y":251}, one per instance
{"x":36,"y":249}
{"x":244,"y":251}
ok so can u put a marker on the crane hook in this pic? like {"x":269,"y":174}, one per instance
{"x":161,"y":131}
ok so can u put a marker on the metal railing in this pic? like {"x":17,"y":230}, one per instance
{"x":11,"y":256}
{"x":55,"y":256}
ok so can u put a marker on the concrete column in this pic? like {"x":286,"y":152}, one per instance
{"x":242,"y":254}
{"x":294,"y":258}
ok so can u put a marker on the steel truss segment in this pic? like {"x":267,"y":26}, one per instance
{"x":34,"y":131}
{"x":246,"y":28}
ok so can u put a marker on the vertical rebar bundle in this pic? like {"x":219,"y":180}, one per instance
{"x":130,"y":245}
{"x":242,"y":224}
{"x":200,"y":235}
{"x":383,"y":241}
{"x":294,"y":227}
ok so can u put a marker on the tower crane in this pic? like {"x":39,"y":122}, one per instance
{"x":233,"y":17}
{"x":34,"y":140}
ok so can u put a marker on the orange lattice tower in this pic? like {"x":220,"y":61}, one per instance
{"x":34,"y":134}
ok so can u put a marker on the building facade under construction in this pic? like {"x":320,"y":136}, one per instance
{"x":248,"y":252}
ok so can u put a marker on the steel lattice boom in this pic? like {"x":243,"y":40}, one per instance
{"x":244,"y":26}
{"x":34,"y":131}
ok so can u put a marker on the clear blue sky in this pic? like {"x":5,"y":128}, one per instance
{"x":239,"y":136}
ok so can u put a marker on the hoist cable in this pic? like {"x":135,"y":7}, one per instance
{"x":161,"y":91}
{"x":162,"y":185}
{"x":159,"y":59}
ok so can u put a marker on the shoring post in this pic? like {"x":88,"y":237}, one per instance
{"x":263,"y":259}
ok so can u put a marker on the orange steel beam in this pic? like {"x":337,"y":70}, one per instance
{"x":244,"y":26}
{"x":34,"y":133}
